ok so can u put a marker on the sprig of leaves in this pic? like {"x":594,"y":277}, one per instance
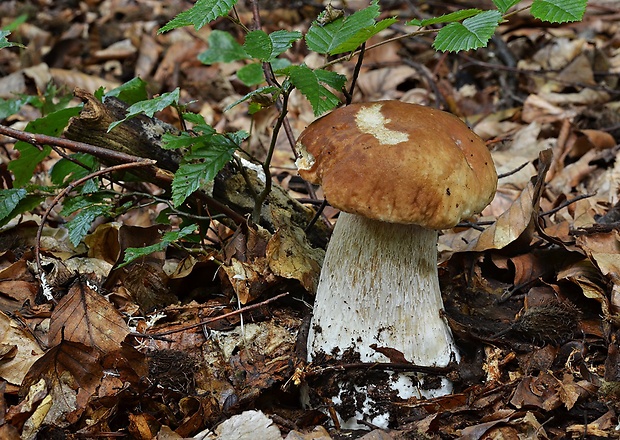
{"x":206,"y":154}
{"x":132,"y":254}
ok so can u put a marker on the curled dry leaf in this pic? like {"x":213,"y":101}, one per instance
{"x":71,"y":373}
{"x":15,"y":364}
{"x":291,"y":256}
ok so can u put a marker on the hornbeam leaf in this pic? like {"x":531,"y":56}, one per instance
{"x":473,"y":33}
{"x":559,"y":11}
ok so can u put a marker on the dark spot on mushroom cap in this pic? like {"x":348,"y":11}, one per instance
{"x":448,"y":191}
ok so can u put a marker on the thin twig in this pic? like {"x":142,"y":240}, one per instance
{"x":382,"y":366}
{"x":510,"y":173}
{"x":211,"y":320}
{"x":356,"y":72}
{"x":317,"y":214}
{"x":566,"y":203}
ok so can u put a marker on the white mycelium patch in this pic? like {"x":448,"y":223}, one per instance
{"x":370,"y":120}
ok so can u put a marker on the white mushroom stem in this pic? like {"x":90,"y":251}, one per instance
{"x":379,"y":285}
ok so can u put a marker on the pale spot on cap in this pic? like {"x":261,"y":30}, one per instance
{"x":370,"y":120}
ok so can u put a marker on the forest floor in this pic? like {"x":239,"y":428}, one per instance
{"x":531,"y":288}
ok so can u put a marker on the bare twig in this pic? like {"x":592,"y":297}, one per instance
{"x":211,"y":320}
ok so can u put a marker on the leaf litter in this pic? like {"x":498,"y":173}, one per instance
{"x":175,"y":346}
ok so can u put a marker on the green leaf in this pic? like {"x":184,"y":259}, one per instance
{"x":131,"y":92}
{"x":16,"y":201}
{"x":16,"y":23}
{"x":65,"y":170}
{"x":447,"y":18}
{"x":559,"y":11}
{"x":504,"y":5}
{"x":342,"y":32}
{"x":253,"y":75}
{"x":194,"y":118}
{"x":364,"y":35}
{"x":203,"y":12}
{"x":9,"y":199}
{"x":310,"y":84}
{"x":10,"y":107}
{"x":6,"y":43}
{"x":266,"y":47}
{"x":203,"y":163}
{"x":473,"y":33}
{"x":81,"y":223}
{"x":52,"y":125}
{"x":223,"y":48}
{"x":149,"y":107}
{"x":132,"y":254}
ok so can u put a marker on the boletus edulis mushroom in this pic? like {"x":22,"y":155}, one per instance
{"x":398,"y":172}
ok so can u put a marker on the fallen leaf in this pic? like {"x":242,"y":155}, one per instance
{"x":84,"y":316}
{"x":13,"y":368}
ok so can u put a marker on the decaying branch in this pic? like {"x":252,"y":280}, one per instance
{"x":142,"y":136}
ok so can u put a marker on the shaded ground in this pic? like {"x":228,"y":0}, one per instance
{"x":531,"y":289}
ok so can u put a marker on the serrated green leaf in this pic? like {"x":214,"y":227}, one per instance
{"x":251,"y":74}
{"x":363,"y":35}
{"x":52,"y":125}
{"x":10,"y":107}
{"x":504,"y":5}
{"x":65,"y":170}
{"x":132,"y":254}
{"x":266,"y":47}
{"x":446,"y":18}
{"x":149,"y":107}
{"x":9,"y":199}
{"x":258,"y":45}
{"x":260,"y":91}
{"x":223,"y":48}
{"x":325,"y":39}
{"x":194,"y":118}
{"x":80,"y":224}
{"x":559,"y":11}
{"x":6,"y":43}
{"x":182,"y":140}
{"x":26,"y":204}
{"x":203,"y":12}
{"x":203,"y":163}
{"x":310,"y":84}
{"x":131,"y":92}
{"x":473,"y":33}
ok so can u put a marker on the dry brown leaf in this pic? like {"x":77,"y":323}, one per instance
{"x":13,"y":369}
{"x":249,"y":425}
{"x":71,"y":373}
{"x":382,"y":83}
{"x":508,"y":227}
{"x":291,"y":256}
{"x":17,"y":285}
{"x":148,"y":56}
{"x":84,"y":316}
{"x":72,"y":79}
{"x":540,"y":392}
{"x":476,"y":432}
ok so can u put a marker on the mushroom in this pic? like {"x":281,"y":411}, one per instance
{"x":398,"y":172}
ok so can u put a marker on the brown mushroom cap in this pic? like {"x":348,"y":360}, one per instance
{"x":399,"y":163}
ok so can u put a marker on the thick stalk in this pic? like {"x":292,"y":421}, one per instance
{"x":379,"y":285}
